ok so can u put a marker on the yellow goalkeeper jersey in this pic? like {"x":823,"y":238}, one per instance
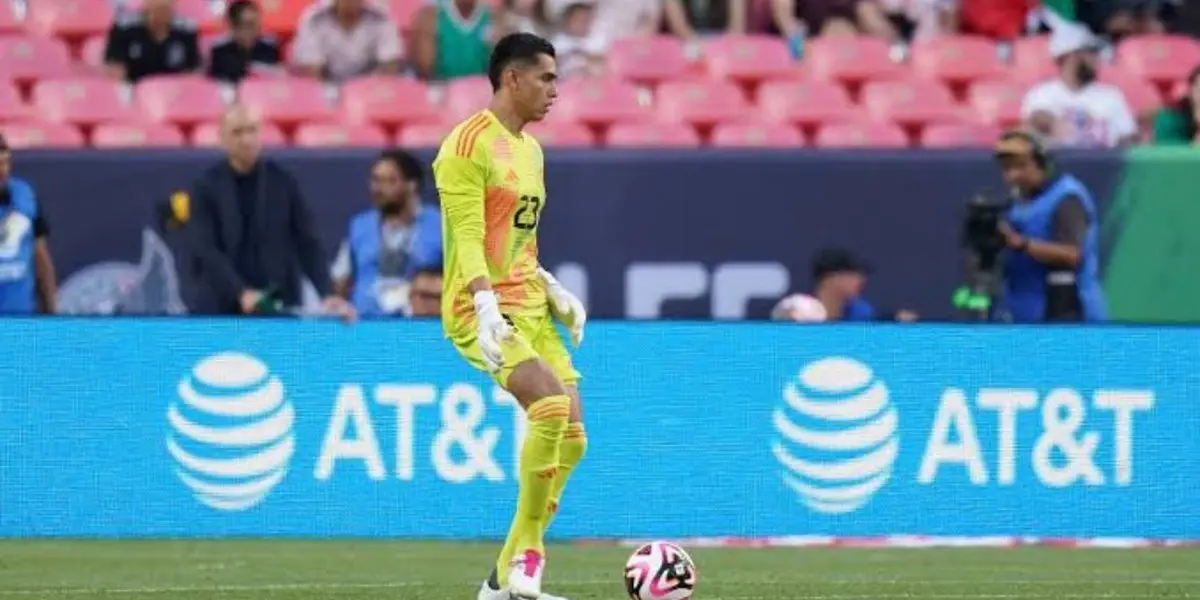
{"x":492,"y":196}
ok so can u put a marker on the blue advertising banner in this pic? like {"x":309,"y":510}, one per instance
{"x":639,"y":234}
{"x":276,"y":428}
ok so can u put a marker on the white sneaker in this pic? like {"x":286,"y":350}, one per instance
{"x":487,"y":593}
{"x":525,"y":578}
{"x":550,"y":597}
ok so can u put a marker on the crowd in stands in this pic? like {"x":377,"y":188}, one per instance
{"x":827,"y":73}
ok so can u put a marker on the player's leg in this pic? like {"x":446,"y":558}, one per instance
{"x":550,"y":346}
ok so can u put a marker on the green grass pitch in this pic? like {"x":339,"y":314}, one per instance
{"x":406,"y":570}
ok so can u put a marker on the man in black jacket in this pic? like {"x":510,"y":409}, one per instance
{"x":251,"y":229}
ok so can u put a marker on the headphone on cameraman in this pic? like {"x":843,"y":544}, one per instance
{"x":1036,"y":149}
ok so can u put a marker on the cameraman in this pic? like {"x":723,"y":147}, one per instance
{"x":1051,"y":267}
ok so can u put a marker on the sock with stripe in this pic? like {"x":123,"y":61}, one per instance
{"x":570,"y":452}
{"x":538,"y":465}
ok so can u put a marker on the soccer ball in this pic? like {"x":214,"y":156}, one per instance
{"x":660,"y":571}
{"x":800,"y":308}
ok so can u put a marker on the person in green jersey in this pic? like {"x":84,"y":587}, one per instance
{"x":452,"y":38}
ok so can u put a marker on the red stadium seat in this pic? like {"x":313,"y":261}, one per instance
{"x":652,"y":135}
{"x":208,"y":135}
{"x":599,"y":102}
{"x":83,"y":101}
{"x":648,"y":59}
{"x":755,"y":135}
{"x":466,"y":96}
{"x":851,"y":59}
{"x":748,"y":59}
{"x":806,"y":103}
{"x":180,"y":99}
{"x":700,"y":102}
{"x":388,"y":101}
{"x":959,"y":135}
{"x":136,"y":135}
{"x":864,"y":134}
{"x":1161,"y":59}
{"x":40,"y":134}
{"x":12,"y":106}
{"x":1031,"y":59}
{"x":25,"y":58}
{"x":1142,"y":97}
{"x":404,"y":12}
{"x":552,"y":134}
{"x":337,"y":135}
{"x":424,"y":135}
{"x":910,"y":103}
{"x":70,"y":19}
{"x":286,"y":100}
{"x":956,"y":59}
{"x":92,"y":51}
{"x":997,"y":101}
{"x":9,"y":23}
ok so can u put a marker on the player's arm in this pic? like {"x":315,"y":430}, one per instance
{"x":462,"y":180}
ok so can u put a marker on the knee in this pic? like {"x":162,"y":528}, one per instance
{"x":549,"y":416}
{"x":574,"y":444}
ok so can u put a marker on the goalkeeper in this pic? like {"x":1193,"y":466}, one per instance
{"x":498,"y":304}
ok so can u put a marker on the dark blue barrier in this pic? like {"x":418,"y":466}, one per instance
{"x":682,"y":234}
{"x":193,"y":428}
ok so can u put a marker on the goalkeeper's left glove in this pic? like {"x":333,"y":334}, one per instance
{"x":565,"y":306}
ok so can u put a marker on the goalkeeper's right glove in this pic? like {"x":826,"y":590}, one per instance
{"x":493,"y":329}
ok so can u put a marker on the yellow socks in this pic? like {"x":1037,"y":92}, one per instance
{"x":539,"y":464}
{"x":570,"y":452}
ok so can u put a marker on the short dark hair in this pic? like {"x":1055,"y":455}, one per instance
{"x":237,"y":9}
{"x":434,"y":269}
{"x":516,"y":48}
{"x":409,"y":166}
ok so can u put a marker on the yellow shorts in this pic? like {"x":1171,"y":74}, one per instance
{"x":534,"y":337}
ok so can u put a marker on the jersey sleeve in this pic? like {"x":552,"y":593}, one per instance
{"x":461,"y":178}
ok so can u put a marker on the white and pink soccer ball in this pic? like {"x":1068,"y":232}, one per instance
{"x":660,"y":571}
{"x":800,"y":308}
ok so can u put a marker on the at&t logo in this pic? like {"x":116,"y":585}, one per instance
{"x":837,"y":435}
{"x":231,"y":431}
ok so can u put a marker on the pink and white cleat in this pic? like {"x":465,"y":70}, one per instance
{"x":525,"y":578}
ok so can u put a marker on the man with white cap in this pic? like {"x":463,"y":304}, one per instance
{"x":1075,"y":109}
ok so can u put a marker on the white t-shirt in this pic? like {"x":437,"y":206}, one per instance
{"x":575,"y":54}
{"x":1095,"y":117}
{"x":616,"y":19}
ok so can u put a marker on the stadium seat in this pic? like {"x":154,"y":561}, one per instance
{"x":598,"y":102}
{"x":181,"y":99}
{"x":40,"y":134}
{"x":282,"y":16}
{"x":26,"y":58}
{"x":652,"y":135}
{"x":748,"y":59}
{"x":998,"y":101}
{"x":755,"y":135}
{"x":388,"y":101}
{"x":286,"y":101}
{"x":424,"y":135}
{"x":863,"y":134}
{"x":806,"y":103}
{"x":1160,"y":59}
{"x":648,"y":59}
{"x":92,"y":52}
{"x":208,"y":135}
{"x":910,"y":103}
{"x":404,"y":12}
{"x":563,"y":134}
{"x":136,"y":135}
{"x":9,"y":23}
{"x":959,"y":135}
{"x":466,"y":96}
{"x":956,"y":59}
{"x":70,"y":19}
{"x":1031,"y":59}
{"x":851,"y":59}
{"x":1142,"y":97}
{"x":83,"y":101}
{"x":700,"y":102}
{"x":12,"y":106}
{"x":338,"y":135}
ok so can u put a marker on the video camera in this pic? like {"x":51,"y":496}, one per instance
{"x":981,"y":236}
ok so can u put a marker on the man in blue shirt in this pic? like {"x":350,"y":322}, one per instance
{"x":27,"y":280}
{"x":839,"y":277}
{"x":386,"y":245}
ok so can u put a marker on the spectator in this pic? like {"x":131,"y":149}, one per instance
{"x":245,"y":49}
{"x":341,"y":39}
{"x":1120,"y":18}
{"x":839,"y":278}
{"x":387,"y":244}
{"x":922,"y":19}
{"x":625,"y":18}
{"x":799,"y":19}
{"x":151,"y":41}
{"x":689,"y":19}
{"x":425,"y":294}
{"x":251,"y":228}
{"x":1178,"y":124}
{"x":27,"y":280}
{"x":579,"y":46}
{"x":1075,"y":109}
{"x":1001,"y":20}
{"x":525,"y":16}
{"x":452,"y":38}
